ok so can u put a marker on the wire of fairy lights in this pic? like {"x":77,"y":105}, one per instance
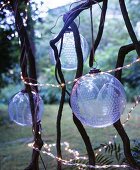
{"x":76,"y":154}
{"x":26,"y":15}
{"x":47,"y":150}
{"x":26,"y":80}
{"x":2,"y":5}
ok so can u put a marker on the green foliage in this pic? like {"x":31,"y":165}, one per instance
{"x":39,"y":30}
{"x":132,"y":92}
{"x":9,"y":46}
{"x":112,"y":154}
{"x":136,"y":150}
{"x":4,"y":119}
{"x":52,"y":95}
{"x":103,"y":160}
{"x":100,"y":160}
{"x":8,"y":50}
{"x":7,"y":92}
{"x":114,"y":150}
{"x":133,"y":8}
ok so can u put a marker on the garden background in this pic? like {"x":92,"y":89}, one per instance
{"x":14,"y":151}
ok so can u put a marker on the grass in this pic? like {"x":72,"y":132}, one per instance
{"x":15,"y":153}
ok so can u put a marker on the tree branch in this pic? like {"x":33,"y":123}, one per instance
{"x":27,"y":54}
{"x":129,"y":26}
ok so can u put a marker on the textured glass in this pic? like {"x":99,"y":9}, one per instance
{"x":98,"y":100}
{"x":19,"y":108}
{"x":68,"y":56}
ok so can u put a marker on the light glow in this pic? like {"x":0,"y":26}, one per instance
{"x":51,"y":4}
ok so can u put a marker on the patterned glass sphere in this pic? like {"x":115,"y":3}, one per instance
{"x":98,"y":100}
{"x":68,"y":56}
{"x":19,"y":108}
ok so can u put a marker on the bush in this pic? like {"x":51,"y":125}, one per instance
{"x":8,"y":91}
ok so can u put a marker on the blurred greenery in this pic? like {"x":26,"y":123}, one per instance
{"x":40,"y":32}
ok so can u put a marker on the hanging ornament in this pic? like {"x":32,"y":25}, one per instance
{"x":68,"y":55}
{"x":98,"y":99}
{"x":20,"y":111}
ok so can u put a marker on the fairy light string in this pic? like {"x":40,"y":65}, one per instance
{"x":25,"y":79}
{"x":132,"y":108}
{"x":76,"y":154}
{"x":70,"y":162}
{"x":2,"y":5}
{"x":26,"y":14}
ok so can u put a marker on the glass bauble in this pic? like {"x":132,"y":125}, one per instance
{"x":98,"y":100}
{"x":68,"y":55}
{"x":20,"y":111}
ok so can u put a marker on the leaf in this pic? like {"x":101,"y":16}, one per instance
{"x":114,"y":150}
{"x":103,"y":160}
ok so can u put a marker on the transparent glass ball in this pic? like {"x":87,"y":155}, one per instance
{"x":19,"y":108}
{"x":68,"y":56}
{"x":98,"y":100}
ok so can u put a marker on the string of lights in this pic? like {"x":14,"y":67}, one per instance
{"x":132,"y":108}
{"x":26,"y":80}
{"x":48,"y":149}
{"x":2,"y":5}
{"x":26,"y":15}
{"x":124,"y":67}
